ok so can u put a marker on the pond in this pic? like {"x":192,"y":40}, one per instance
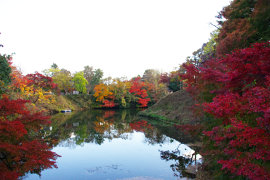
{"x":116,"y":144}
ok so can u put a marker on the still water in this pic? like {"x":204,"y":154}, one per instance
{"x":114,"y":145}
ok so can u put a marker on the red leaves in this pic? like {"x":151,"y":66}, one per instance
{"x":244,"y":167}
{"x":108,"y":114}
{"x":224,"y":106}
{"x":108,"y":103}
{"x":139,"y":89}
{"x":164,"y":78}
{"x":258,"y":99}
{"x":191,"y":78}
{"x":19,"y":152}
{"x":12,"y":129}
{"x":40,"y":80}
{"x":244,"y":66}
{"x":12,"y":107}
{"x":140,"y":125}
{"x":143,"y":102}
{"x":243,"y":145}
{"x":27,"y":156}
{"x":122,"y":94}
{"x":241,"y":81}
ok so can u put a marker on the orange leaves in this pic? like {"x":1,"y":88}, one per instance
{"x":122,"y":93}
{"x":34,"y":87}
{"x":101,"y":92}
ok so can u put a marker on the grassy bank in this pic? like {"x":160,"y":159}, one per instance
{"x":174,"y":108}
{"x":72,"y":102}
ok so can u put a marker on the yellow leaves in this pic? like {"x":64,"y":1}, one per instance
{"x":117,"y":90}
{"x":36,"y":94}
{"x":26,"y":91}
{"x":44,"y":96}
{"x":121,"y":87}
{"x":123,"y":102}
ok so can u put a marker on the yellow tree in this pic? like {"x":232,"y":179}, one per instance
{"x":120,"y":89}
{"x":63,"y":79}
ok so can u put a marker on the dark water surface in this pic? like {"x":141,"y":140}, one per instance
{"x":115,"y":144}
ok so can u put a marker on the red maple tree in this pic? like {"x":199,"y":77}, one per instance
{"x":234,"y":90}
{"x":139,"y":89}
{"x":21,"y":152}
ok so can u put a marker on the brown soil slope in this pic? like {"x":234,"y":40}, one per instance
{"x":176,"y":107}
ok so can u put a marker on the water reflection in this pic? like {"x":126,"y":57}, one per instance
{"x":185,"y":164}
{"x":116,"y":145}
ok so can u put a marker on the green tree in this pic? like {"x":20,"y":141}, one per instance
{"x":151,"y":76}
{"x":80,"y":82}
{"x":207,"y":51}
{"x":175,"y":83}
{"x":5,"y":69}
{"x":93,"y":77}
{"x":209,"y":48}
{"x":63,"y":79}
{"x":96,"y":79}
{"x":54,"y":66}
{"x":88,"y":74}
{"x":51,"y":71}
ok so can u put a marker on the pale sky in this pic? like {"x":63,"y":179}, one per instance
{"x":121,"y":37}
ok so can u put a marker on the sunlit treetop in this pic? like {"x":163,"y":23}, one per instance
{"x":246,"y":22}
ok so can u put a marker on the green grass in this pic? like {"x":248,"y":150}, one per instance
{"x":174,"y":108}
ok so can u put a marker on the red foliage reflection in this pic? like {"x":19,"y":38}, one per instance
{"x":140,"y":125}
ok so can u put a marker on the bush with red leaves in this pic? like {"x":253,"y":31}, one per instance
{"x":21,"y":152}
{"x":240,"y":86}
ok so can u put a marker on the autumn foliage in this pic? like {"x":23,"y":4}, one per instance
{"x":104,"y":94}
{"x":22,"y":149}
{"x":247,"y":22}
{"x":235,"y":96}
{"x":21,"y":152}
{"x":36,"y":87}
{"x":172,"y":80}
{"x":123,"y":93}
{"x":140,"y":126}
{"x":139,"y":89}
{"x":39,"y":80}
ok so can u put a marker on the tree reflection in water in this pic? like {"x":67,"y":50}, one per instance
{"x":185,"y":165}
{"x":90,"y":127}
{"x":96,"y":126}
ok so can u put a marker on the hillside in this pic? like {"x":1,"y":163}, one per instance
{"x":174,"y":108}
{"x":73,"y":102}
